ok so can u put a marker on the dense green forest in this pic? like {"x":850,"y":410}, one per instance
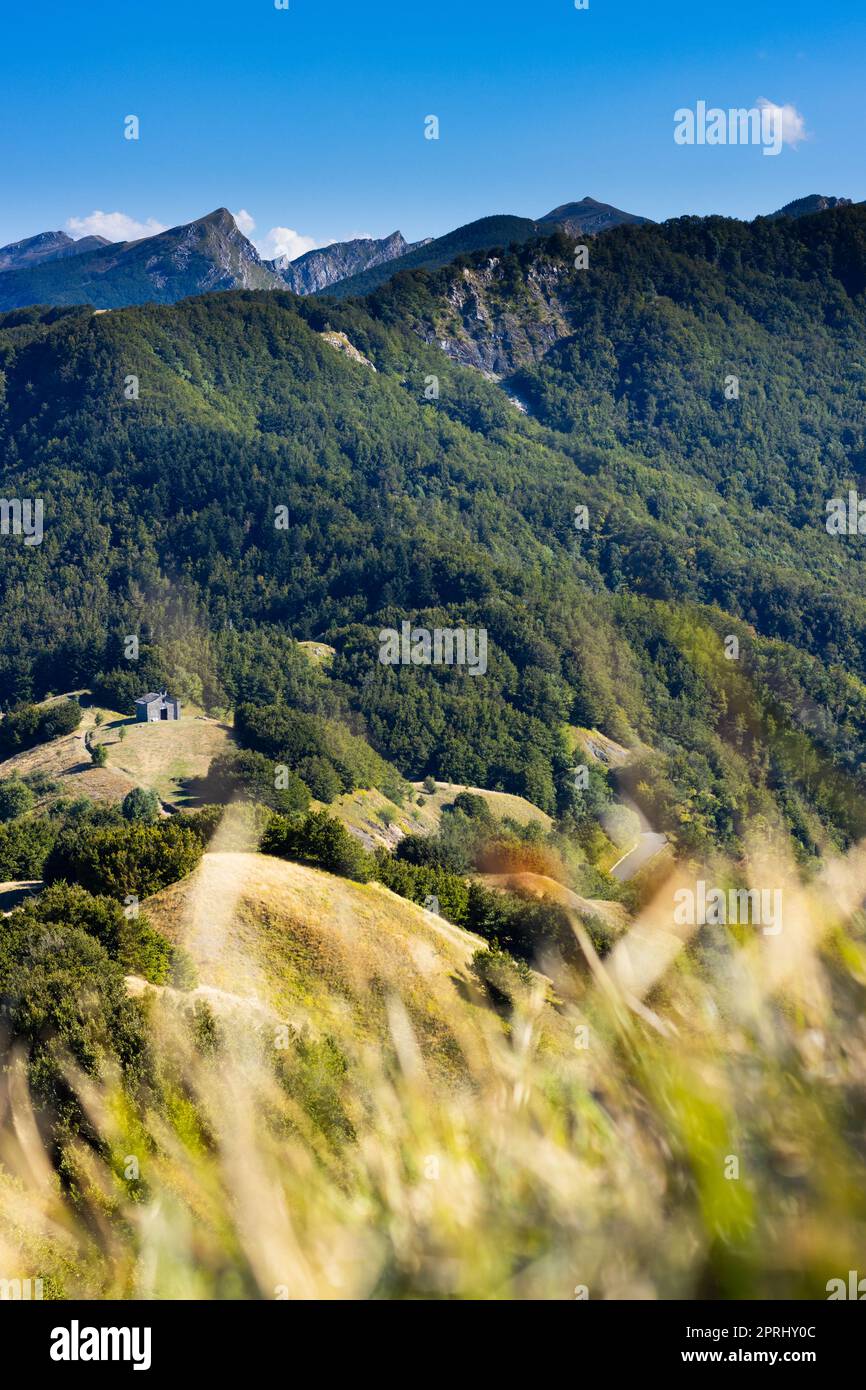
{"x":165,"y":516}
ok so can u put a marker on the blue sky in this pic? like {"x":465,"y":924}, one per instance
{"x":312,"y":119}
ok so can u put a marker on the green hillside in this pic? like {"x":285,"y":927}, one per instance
{"x":440,"y":1053}
{"x":705,"y":516}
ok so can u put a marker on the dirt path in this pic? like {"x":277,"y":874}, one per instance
{"x":649,"y":844}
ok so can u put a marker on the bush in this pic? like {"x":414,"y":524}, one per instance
{"x":99,"y":754}
{"x":182,"y":972}
{"x":41,"y":784}
{"x":65,"y":998}
{"x":203,"y":823}
{"x":621,"y":825}
{"x":318,"y":839}
{"x":322,"y":778}
{"x":142,"y":805}
{"x":503,"y":856}
{"x":474,"y":806}
{"x":24,"y":846}
{"x":126,"y":860}
{"x":128,"y":939}
{"x":525,"y":927}
{"x":29,"y":725}
{"x":417,"y":882}
{"x":306,"y":742}
{"x":84,"y":812}
{"x":245,"y":773}
{"x":16,"y":798}
{"x":501,"y":975}
{"x":119,"y":689}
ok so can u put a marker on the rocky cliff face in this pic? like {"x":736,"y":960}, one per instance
{"x":210,"y":254}
{"x":325,"y":266}
{"x":480,"y":325}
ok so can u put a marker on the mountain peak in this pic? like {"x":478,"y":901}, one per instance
{"x":220,"y":217}
{"x":197,"y":257}
{"x":589,"y":216}
{"x":806,"y":207}
{"x":46,"y":246}
{"x":31,"y":250}
{"x":327,"y":265}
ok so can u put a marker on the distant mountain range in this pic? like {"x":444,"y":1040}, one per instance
{"x":212,"y":253}
{"x":47,"y":246}
{"x":317,"y":270}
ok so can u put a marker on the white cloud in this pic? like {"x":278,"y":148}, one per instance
{"x":786,"y":119}
{"x":284,"y":241}
{"x":279,"y":241}
{"x":245,"y":222}
{"x":116,"y":226}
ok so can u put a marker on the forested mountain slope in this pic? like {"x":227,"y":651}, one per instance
{"x":705,"y":515}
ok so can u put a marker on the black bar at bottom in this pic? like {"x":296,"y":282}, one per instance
{"x":64,"y":1339}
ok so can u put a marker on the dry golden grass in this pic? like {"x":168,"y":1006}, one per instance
{"x":168,"y":756}
{"x":378,"y":821}
{"x":305,"y":944}
{"x":412,"y":1142}
{"x":319,"y":653}
{"x":68,"y":762}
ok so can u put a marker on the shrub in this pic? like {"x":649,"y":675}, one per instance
{"x":418,"y":882}
{"x":501,"y":975}
{"x":301,"y":741}
{"x":318,"y":839}
{"x":474,"y":806}
{"x":621,"y":825}
{"x":142,"y":805}
{"x":129,"y":939}
{"x":65,"y":998}
{"x":16,"y":798}
{"x":29,"y":725}
{"x":99,"y":754}
{"x":322,"y":778}
{"x":203,"y":823}
{"x":118,"y":689}
{"x":503,"y":856}
{"x":120,"y":861}
{"x":41,"y":784}
{"x":24,"y":846}
{"x":525,"y":927}
{"x":245,"y":773}
{"x":182,"y":971}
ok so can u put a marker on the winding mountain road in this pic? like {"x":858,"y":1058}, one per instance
{"x":648,"y":846}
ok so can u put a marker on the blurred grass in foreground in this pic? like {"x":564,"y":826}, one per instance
{"x":586,"y":1138}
